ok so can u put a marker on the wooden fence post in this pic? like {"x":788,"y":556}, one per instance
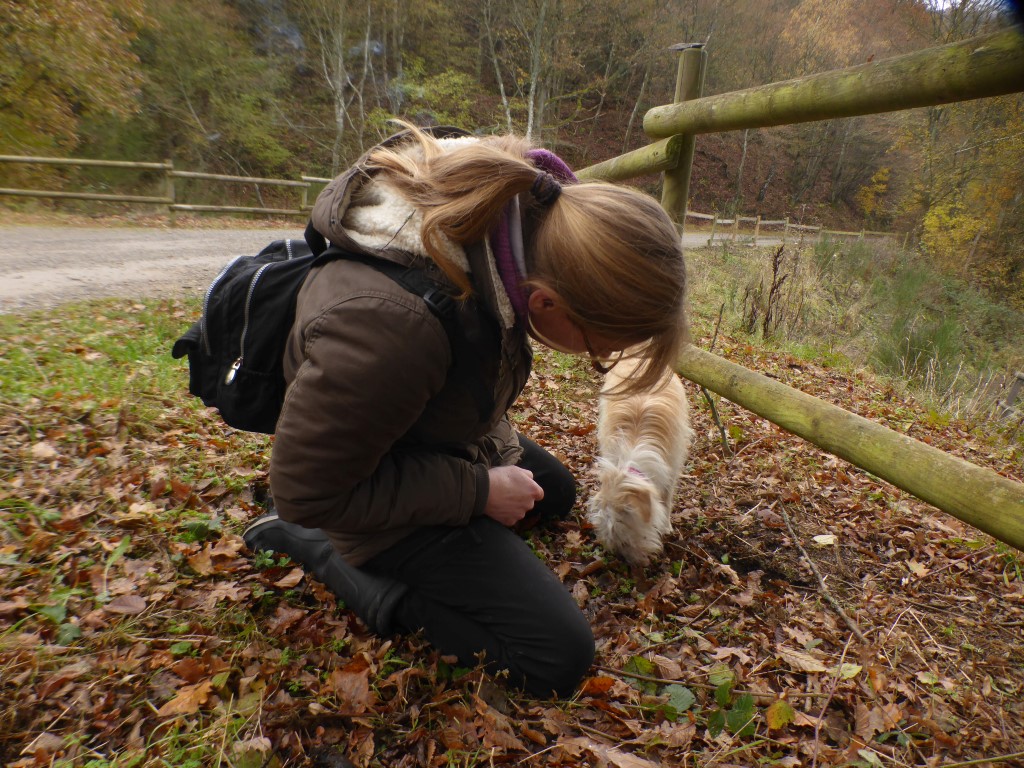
{"x":169,"y":190}
{"x":1008,"y":404}
{"x":735,"y":227}
{"x":757,"y":229}
{"x":714,"y":224}
{"x":675,"y":189}
{"x":785,"y":230}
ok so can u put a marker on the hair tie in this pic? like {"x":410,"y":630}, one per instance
{"x":545,"y":189}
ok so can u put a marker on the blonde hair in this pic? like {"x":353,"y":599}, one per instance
{"x":609,"y":251}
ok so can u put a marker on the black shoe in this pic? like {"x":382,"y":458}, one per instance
{"x":373,"y":598}
{"x":270,"y":533}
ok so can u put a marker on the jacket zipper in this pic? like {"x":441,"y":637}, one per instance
{"x":233,"y":371}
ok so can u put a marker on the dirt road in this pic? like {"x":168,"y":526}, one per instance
{"x":42,"y":267}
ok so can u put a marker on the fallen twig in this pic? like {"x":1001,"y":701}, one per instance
{"x":824,"y":707}
{"x":687,"y":683}
{"x":707,"y":395}
{"x":984,"y":760}
{"x":821,"y":582}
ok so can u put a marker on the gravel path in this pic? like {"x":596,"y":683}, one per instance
{"x":42,"y":267}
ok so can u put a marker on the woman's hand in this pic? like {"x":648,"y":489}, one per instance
{"x":513,"y":493}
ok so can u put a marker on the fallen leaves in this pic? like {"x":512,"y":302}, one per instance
{"x":351,"y":684}
{"x":128,"y":596}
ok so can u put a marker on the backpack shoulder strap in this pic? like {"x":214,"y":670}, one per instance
{"x":465,"y":330}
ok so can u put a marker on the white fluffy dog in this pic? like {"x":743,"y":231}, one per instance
{"x":644,"y":440}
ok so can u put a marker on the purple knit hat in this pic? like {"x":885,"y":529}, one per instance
{"x":547,"y":161}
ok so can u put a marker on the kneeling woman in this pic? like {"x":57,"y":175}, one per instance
{"x":396,"y":475}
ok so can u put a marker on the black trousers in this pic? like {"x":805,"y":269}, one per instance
{"x":479,"y":592}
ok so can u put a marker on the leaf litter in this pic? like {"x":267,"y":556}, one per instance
{"x":135,"y":629}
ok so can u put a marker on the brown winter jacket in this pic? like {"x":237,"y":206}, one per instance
{"x":376,"y":438}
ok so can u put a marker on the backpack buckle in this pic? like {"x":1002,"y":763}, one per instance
{"x":439,"y":302}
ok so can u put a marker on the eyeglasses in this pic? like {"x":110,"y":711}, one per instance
{"x":595,"y":361}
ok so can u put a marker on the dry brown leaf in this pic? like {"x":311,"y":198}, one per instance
{"x":872,"y":719}
{"x":190,"y":669}
{"x":721,"y":654}
{"x":611,"y":756}
{"x":284,"y":617}
{"x":126,"y":605}
{"x":678,"y":735}
{"x":187,"y":701}
{"x":43,"y":450}
{"x":580,"y":593}
{"x":353,"y":688}
{"x":596,"y":686}
{"x":800,"y":660}
{"x":201,"y":563}
{"x":668,"y":669}
{"x":291,"y":579}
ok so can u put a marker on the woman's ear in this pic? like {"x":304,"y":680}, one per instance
{"x":543,"y":300}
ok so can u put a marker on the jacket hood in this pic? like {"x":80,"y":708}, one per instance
{"x":358,"y":211}
{"x":361,"y":211}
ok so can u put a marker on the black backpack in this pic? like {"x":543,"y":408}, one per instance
{"x":236,"y":348}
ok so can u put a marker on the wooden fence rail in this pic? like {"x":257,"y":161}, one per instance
{"x":169,"y":199}
{"x":990,"y":65}
{"x":973,"y":494}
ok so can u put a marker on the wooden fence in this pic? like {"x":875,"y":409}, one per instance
{"x":169,"y":199}
{"x":990,"y":65}
{"x":730,"y":230}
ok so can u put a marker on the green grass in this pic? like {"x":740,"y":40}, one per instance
{"x":107,"y":351}
{"x":105,"y":366}
{"x":874,"y":305}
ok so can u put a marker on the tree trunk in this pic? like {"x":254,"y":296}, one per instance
{"x":738,"y":200}
{"x":604,"y":87}
{"x":636,"y":106}
{"x":489,"y":34}
{"x":536,"y":73}
{"x":837,"y":171}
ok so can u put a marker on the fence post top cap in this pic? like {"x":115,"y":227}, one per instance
{"x":685,"y":46}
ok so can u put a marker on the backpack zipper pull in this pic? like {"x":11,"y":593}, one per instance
{"x":230,"y":377}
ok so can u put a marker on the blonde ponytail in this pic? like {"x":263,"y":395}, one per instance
{"x":609,"y":251}
{"x":460,"y":193}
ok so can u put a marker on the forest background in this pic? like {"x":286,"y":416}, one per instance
{"x":281,"y":88}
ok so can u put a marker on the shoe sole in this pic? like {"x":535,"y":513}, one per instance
{"x":270,"y":517}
